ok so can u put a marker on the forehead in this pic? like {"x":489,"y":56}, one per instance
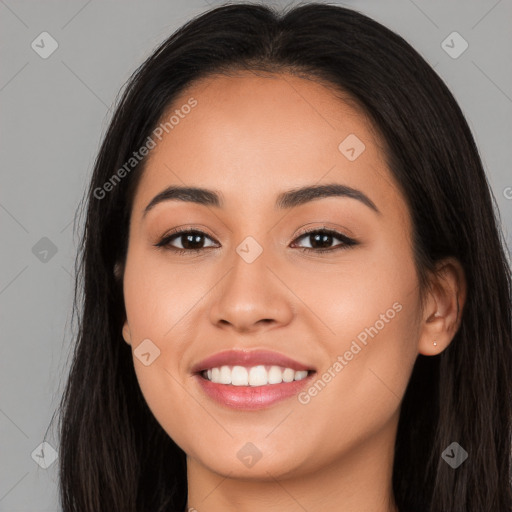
{"x":248,"y":134}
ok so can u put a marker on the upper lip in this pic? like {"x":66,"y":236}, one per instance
{"x":248,"y":358}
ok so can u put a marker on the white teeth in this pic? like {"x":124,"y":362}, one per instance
{"x":225,"y":375}
{"x":254,"y":376}
{"x":258,"y":376}
{"x":288,"y":375}
{"x":300,"y":374}
{"x":275,"y":375}
{"x":239,"y":376}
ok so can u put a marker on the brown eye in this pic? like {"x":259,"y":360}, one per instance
{"x":321,"y":240}
{"x":190,"y":240}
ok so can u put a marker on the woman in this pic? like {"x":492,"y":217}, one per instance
{"x":295,"y":292}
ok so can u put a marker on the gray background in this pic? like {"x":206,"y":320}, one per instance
{"x":54,"y":112}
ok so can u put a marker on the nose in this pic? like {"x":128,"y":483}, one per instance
{"x":251,"y":297}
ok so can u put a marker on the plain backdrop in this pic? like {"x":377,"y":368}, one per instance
{"x":54,"y":111}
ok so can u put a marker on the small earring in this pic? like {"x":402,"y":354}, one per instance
{"x":435,"y":344}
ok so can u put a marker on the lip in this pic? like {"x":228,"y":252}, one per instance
{"x":249,"y":358}
{"x":250,"y":398}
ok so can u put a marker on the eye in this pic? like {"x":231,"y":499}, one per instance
{"x":192,"y":240}
{"x":320,"y":240}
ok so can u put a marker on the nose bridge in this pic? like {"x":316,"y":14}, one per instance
{"x":250,"y":293}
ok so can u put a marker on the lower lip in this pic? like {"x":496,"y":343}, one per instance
{"x":251,"y":397}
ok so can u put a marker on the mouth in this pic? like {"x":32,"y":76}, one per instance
{"x":256,"y":376}
{"x":241,"y":395}
{"x":253,"y":380}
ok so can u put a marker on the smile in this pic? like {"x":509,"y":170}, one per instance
{"x":256,"y":376}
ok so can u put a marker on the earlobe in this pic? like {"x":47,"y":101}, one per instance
{"x":443,"y":308}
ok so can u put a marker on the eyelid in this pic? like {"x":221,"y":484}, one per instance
{"x":323,"y":227}
{"x":186,"y":229}
{"x":182,"y":230}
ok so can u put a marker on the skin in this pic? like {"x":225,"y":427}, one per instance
{"x":251,"y":137}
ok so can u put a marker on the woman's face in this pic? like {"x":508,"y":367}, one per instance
{"x":350,"y":316}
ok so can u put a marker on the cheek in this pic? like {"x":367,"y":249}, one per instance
{"x":371,"y":311}
{"x":159,"y":296}
{"x":159,"y":305}
{"x":369,"y":293}
{"x":359,"y":390}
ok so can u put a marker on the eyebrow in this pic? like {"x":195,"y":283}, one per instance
{"x":285,"y":200}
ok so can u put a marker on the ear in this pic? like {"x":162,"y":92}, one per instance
{"x":118,"y":274}
{"x":126,"y":333}
{"x":443,"y":307}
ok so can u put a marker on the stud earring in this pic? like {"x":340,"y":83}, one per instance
{"x":435,"y":344}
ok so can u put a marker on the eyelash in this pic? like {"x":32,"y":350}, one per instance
{"x":166,"y":240}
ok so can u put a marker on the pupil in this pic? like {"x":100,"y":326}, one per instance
{"x":191,"y":240}
{"x":324,"y":239}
